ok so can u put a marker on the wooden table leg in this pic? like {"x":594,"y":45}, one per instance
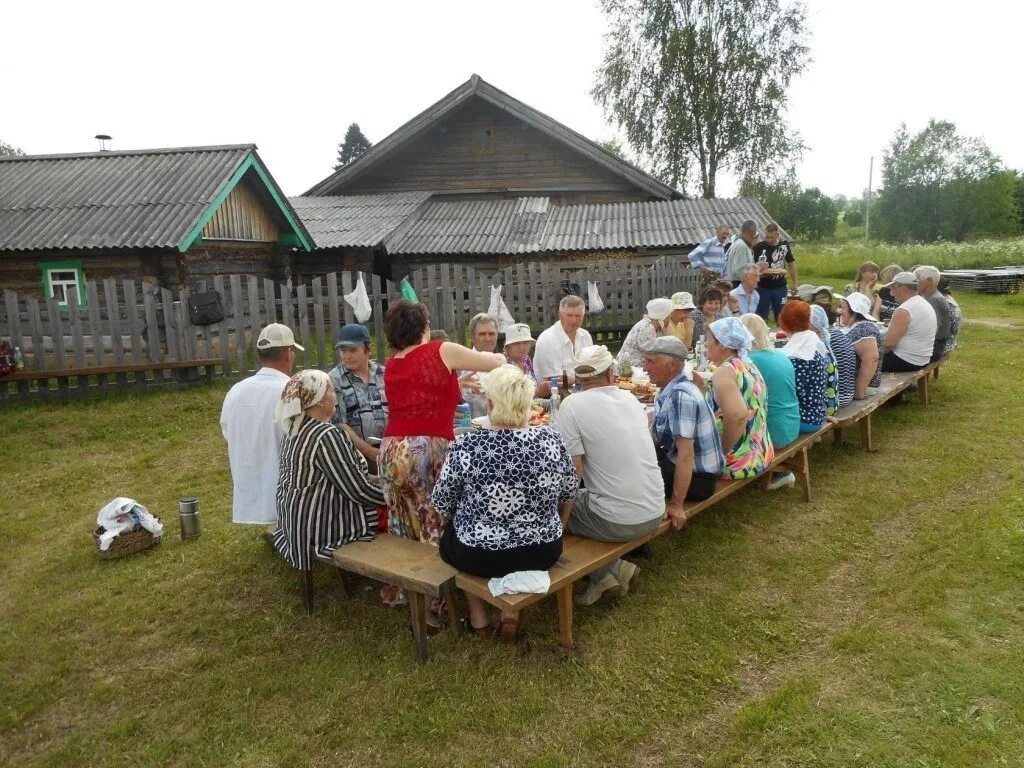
{"x":564,"y":596}
{"x":865,"y":433}
{"x":418,"y":617}
{"x":837,"y":435}
{"x":306,"y":583}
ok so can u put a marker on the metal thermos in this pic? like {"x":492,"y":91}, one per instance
{"x":188,"y":513}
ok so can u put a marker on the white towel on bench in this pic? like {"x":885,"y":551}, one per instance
{"x":521,"y":583}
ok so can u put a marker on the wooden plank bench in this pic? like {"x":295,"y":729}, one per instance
{"x":62,"y":374}
{"x":581,"y":556}
{"x":859,"y":412}
{"x":414,"y":566}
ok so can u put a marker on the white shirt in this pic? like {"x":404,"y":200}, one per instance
{"x":916,"y":345}
{"x":254,"y":445}
{"x":608,"y":427}
{"x":556,"y":352}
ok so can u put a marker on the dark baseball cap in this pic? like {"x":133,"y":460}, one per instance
{"x":353,"y":335}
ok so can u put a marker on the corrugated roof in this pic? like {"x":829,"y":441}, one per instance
{"x":126,"y":199}
{"x":533,"y":225}
{"x":356,"y":220}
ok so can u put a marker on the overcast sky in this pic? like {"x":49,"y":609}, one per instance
{"x":291,"y":76}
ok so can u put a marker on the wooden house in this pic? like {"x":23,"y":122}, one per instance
{"x":169,"y":216}
{"x":482,"y":179}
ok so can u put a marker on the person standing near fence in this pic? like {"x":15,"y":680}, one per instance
{"x":740,"y":253}
{"x":247,"y":423}
{"x":777,"y":256}
{"x":709,"y":257}
{"x":558,"y":345}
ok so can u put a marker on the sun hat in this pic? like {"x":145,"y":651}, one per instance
{"x":353,"y":335}
{"x":666,"y":345}
{"x":516,"y":333}
{"x":683,"y":300}
{"x":592,"y":361}
{"x":806,"y":291}
{"x":277,"y":335}
{"x":825,"y":289}
{"x":903,"y":278}
{"x":659,"y":309}
{"x":860,"y":304}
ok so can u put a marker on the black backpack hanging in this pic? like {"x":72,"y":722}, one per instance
{"x":205,"y":308}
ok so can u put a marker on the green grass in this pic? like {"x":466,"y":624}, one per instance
{"x":842,"y":259}
{"x":880,"y":625}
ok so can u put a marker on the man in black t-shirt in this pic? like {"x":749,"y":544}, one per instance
{"x":774,"y":257}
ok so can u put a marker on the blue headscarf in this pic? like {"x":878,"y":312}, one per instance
{"x":730,"y":332}
{"x":819,"y":320}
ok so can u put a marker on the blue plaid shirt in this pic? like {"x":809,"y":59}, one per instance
{"x":680,"y":410}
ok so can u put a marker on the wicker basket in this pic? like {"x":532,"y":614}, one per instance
{"x":127,"y":543}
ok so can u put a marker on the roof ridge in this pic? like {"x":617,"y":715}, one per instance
{"x":131,"y":152}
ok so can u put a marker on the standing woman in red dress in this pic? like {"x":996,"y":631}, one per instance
{"x":422,"y":386}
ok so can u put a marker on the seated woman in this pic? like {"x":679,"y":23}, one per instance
{"x":956,"y":315}
{"x":325,"y":496}
{"x":518,"y":342}
{"x":648,"y":328}
{"x":680,"y":322}
{"x":867,"y":283}
{"x":504,"y":492}
{"x":863,"y":333}
{"x":886,"y":303}
{"x":810,"y":363}
{"x":710,"y":303}
{"x":842,"y":360}
{"x":738,"y":399}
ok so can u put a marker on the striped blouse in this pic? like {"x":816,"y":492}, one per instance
{"x":324,"y":495}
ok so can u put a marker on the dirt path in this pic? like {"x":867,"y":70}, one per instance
{"x":993,"y":323}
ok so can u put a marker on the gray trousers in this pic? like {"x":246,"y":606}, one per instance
{"x":585,"y":522}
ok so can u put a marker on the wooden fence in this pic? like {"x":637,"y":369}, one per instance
{"x":128,"y":324}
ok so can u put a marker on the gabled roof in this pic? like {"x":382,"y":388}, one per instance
{"x":477,"y":87}
{"x":150,"y":198}
{"x":356,"y":220}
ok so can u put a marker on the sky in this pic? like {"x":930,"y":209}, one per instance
{"x":290,"y":77}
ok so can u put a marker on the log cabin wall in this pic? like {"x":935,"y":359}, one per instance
{"x":203,"y":261}
{"x":482,"y":149}
{"x":21,"y":271}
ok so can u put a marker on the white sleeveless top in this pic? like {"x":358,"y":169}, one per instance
{"x":917,"y":343}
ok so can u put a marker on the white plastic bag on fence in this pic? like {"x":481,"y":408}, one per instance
{"x":499,"y":310}
{"x":359,"y":301}
{"x":594,"y":303}
{"x":123,"y":514}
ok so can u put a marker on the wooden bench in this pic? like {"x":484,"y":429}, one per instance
{"x":60,"y":374}
{"x":893,"y":384}
{"x":581,"y":556}
{"x":412,"y":565}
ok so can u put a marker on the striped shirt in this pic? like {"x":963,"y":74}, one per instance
{"x":324,"y":494}
{"x":711,"y":255}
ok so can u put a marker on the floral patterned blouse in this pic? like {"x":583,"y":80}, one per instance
{"x":754,"y":451}
{"x":502,"y":487}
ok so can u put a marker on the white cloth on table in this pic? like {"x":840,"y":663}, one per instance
{"x":254,"y":445}
{"x":556,"y":352}
{"x":122,"y":515}
{"x":521,"y":583}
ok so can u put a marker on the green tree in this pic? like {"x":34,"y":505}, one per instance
{"x":9,"y":150}
{"x":805,"y":213}
{"x":352,"y":146}
{"x":937,"y":184}
{"x":614,"y":146}
{"x":700,"y":86}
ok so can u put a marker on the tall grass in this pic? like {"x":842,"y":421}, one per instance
{"x":841,"y":260}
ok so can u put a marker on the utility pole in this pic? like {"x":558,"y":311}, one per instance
{"x":867,"y":207}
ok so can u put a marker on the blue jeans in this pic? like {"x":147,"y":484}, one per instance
{"x":771,"y":298}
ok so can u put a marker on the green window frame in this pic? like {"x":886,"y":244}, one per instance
{"x":56,"y":280}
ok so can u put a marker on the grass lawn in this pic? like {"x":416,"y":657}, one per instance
{"x":880,"y":625}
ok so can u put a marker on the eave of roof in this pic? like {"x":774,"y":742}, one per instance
{"x":476,"y":86}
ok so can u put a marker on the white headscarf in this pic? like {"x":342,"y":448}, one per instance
{"x":803,"y":345}
{"x":303,"y":390}
{"x":731,"y":333}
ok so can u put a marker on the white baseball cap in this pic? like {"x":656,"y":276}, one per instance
{"x":592,"y":361}
{"x":516,"y":333}
{"x":277,"y":335}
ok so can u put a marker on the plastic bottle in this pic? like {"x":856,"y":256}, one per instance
{"x":555,"y":398}
{"x":702,"y":361}
{"x":19,"y":360}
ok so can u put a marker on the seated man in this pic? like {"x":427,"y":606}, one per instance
{"x":605,"y":430}
{"x":688,"y":446}
{"x":556,"y":348}
{"x":483,"y":330}
{"x":744,"y":298}
{"x":910,"y":340}
{"x":362,"y":409}
{"x":928,"y":287}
